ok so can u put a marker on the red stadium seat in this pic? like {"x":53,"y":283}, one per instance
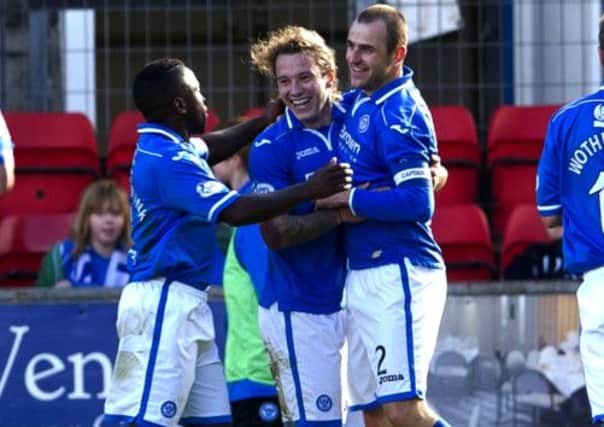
{"x":524,"y":227}
{"x":122,"y":142}
{"x":460,"y":152}
{"x":56,"y":158}
{"x":25,"y":240}
{"x":462,"y":231}
{"x":515,"y":142}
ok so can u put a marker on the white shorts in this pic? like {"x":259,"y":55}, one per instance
{"x":393,"y":315}
{"x":589,"y":297}
{"x":304,"y":350}
{"x":167,"y":369}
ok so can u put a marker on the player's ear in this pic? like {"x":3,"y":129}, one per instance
{"x":330,"y":76}
{"x":180,"y":105}
{"x":399,"y":54}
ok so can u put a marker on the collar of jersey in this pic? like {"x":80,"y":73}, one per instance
{"x":337,"y":110}
{"x":385,"y":92}
{"x":157,"y":129}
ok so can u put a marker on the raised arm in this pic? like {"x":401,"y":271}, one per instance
{"x":223,"y":143}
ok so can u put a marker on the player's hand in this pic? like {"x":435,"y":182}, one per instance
{"x":273,"y":110}
{"x":439,"y":173}
{"x":330,"y":179}
{"x":338,"y":200}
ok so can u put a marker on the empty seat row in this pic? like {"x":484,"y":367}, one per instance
{"x":461,"y":230}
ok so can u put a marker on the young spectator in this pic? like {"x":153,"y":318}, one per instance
{"x":95,"y":254}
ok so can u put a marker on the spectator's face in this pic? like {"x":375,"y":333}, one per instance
{"x":369,"y":64}
{"x":106,"y":225}
{"x":304,"y":89}
{"x":195,"y":102}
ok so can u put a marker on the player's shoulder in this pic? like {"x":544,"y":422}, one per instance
{"x":271,"y":136}
{"x":591,"y":105}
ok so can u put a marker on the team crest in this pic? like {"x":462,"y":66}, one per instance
{"x":364,"y":123}
{"x":324,"y":403}
{"x":599,"y":116}
{"x":168,"y":409}
{"x":268,"y":412}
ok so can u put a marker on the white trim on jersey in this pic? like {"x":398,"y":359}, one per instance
{"x":339,"y":106}
{"x":322,"y":137}
{"x":412,"y":173}
{"x":392,"y":91}
{"x":548,"y":207}
{"x":358,"y":103}
{"x":151,"y":153}
{"x":221,"y":202}
{"x":161,"y":132}
{"x":350,"y":197}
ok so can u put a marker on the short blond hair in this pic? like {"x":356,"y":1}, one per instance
{"x":294,"y":39}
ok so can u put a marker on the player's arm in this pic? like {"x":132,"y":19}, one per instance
{"x":7,"y":171}
{"x":7,"y":162}
{"x":223,"y":143}
{"x":251,"y":208}
{"x":290,"y":230}
{"x":547,"y":188}
{"x":407,"y":202}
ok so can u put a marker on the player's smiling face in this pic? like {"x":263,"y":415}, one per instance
{"x":304,"y":89}
{"x":369,"y":64}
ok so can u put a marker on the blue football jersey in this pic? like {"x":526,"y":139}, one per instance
{"x":570,"y":180}
{"x":175,"y":202}
{"x":307,"y":277}
{"x":388,"y":139}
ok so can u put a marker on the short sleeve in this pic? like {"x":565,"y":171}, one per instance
{"x":187,"y":183}
{"x":547,"y":185}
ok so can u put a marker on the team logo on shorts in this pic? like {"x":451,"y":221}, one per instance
{"x":168,"y":409}
{"x":364,"y":123}
{"x":268,"y":412}
{"x":324,"y":403}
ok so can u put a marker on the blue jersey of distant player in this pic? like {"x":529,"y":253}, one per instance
{"x":308,"y":277}
{"x":388,"y":139}
{"x":175,"y":201}
{"x":570,"y":180}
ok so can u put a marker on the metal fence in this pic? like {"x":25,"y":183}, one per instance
{"x":82,"y":55}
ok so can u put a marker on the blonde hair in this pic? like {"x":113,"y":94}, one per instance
{"x":293,"y":39}
{"x":98,"y":197}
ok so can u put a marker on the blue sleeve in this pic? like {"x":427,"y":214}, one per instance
{"x":268,"y":166}
{"x":252,"y":254}
{"x":548,"y":188}
{"x":405,"y":149}
{"x":187,"y":183}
